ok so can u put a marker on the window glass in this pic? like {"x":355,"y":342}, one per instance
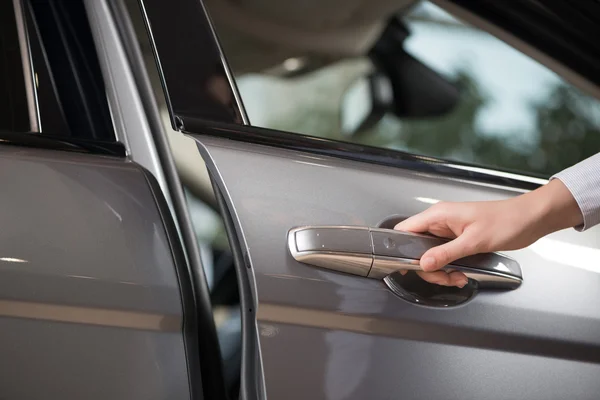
{"x":511,"y":113}
{"x":14,"y":99}
{"x":52,"y":116}
{"x":50,"y":77}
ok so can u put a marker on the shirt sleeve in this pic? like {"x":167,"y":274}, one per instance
{"x":583,"y":181}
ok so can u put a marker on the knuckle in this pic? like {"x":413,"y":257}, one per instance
{"x":440,"y":207}
{"x":443,"y":255}
{"x":478,"y":246}
{"x":471,"y":246}
{"x":473,"y":242}
{"x":437,"y":211}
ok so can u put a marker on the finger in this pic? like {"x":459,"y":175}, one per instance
{"x":417,"y":223}
{"x":443,"y":278}
{"x":440,"y":256}
{"x":436,"y":277}
{"x":458,"y":279}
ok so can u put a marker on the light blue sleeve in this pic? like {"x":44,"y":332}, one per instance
{"x":583,"y":180}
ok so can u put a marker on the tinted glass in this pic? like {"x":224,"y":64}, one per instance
{"x":14,"y":113}
{"x":513,"y":113}
{"x":52,"y":117}
{"x":50,"y":77}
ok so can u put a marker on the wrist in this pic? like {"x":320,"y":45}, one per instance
{"x":555,"y":207}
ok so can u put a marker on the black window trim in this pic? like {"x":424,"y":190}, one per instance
{"x":62,"y":143}
{"x":361,"y":153}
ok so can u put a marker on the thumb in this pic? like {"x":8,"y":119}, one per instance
{"x":440,"y":256}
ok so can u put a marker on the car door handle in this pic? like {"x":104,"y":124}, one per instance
{"x":376,"y":253}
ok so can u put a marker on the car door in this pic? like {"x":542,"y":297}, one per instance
{"x":94,"y":281}
{"x":313,"y":332}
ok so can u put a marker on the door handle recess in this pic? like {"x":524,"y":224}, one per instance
{"x":377,"y":253}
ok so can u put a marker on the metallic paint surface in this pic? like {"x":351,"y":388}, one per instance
{"x":131,"y":124}
{"x":326,"y":335}
{"x":90,"y":306}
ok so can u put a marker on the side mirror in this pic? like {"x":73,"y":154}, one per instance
{"x":364,"y":103}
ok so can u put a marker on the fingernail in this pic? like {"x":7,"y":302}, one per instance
{"x":428,"y":263}
{"x":463,"y":282}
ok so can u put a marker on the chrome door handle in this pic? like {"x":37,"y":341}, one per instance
{"x":377,"y":253}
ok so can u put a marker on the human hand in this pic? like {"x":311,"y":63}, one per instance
{"x":481,"y":227}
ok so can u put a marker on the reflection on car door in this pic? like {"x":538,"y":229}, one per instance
{"x":92,"y":282}
{"x":339,"y":336}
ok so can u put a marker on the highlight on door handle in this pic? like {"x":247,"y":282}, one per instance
{"x":378,"y":253}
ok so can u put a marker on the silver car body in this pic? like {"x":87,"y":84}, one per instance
{"x":101,"y":296}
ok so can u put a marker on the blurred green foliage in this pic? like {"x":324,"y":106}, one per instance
{"x":567,"y":130}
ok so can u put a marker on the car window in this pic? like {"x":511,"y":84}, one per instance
{"x":512,"y":113}
{"x":16,"y":103}
{"x":50,"y":77}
